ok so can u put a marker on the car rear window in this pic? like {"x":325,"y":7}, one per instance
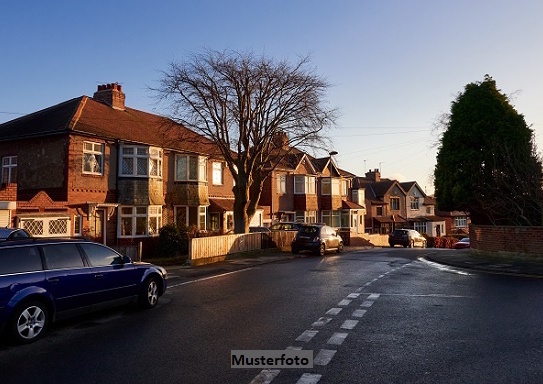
{"x":308,"y":230}
{"x":19,"y":259}
{"x":58,"y":256}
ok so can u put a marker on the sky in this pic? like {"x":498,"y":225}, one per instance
{"x":394,"y":66}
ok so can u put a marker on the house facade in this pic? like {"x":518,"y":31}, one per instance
{"x":96,"y":168}
{"x":420,"y":211}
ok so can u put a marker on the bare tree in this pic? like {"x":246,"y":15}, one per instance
{"x":255,"y":109}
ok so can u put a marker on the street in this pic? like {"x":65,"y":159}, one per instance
{"x":373,"y":316}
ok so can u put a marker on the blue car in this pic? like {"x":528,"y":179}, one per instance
{"x":43,"y":280}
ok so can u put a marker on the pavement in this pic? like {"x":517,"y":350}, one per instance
{"x":463,"y":259}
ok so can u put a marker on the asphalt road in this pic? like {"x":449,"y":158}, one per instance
{"x":380,"y":316}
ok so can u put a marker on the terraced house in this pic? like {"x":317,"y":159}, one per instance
{"x":92,"y":166}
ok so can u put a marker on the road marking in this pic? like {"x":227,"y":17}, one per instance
{"x":309,"y":378}
{"x":359,"y":313}
{"x":353,"y":296}
{"x":344,"y":303}
{"x":307,"y":336}
{"x":321,"y":321}
{"x":373,"y":296}
{"x":367,"y":303}
{"x":291,"y":348}
{"x":334,"y":311}
{"x":349,"y":324}
{"x":208,"y":278}
{"x":324,"y":356}
{"x":337,"y":338}
{"x":265,"y":376}
{"x":444,"y":267}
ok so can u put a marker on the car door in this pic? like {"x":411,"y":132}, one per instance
{"x":69,"y":280}
{"x":115,"y":278}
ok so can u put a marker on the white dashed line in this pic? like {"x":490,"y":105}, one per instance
{"x":359,"y":313}
{"x":373,"y":296}
{"x":324,"y":357}
{"x":307,"y":336}
{"x":344,"y":303}
{"x":334,"y":311}
{"x":349,"y":324}
{"x":337,"y":338}
{"x":367,"y":303}
{"x":265,"y":376}
{"x":309,"y":378}
{"x":322,"y":321}
{"x":353,"y":296}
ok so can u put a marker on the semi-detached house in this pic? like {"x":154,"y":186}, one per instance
{"x":93,"y":167}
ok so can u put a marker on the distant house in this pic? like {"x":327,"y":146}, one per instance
{"x":91,"y":166}
{"x":421,"y":211}
{"x":456,"y":222}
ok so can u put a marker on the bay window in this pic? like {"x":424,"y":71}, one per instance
{"x":141,"y":161}
{"x":190,"y":168}
{"x":139,"y":221}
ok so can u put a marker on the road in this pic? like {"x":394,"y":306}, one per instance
{"x":379,"y":316}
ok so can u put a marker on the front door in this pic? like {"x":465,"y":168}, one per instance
{"x":99,"y":222}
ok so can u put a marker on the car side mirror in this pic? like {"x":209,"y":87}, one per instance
{"x":126,"y":260}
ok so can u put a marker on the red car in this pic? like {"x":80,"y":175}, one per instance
{"x":462,"y":244}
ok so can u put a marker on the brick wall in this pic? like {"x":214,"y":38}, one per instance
{"x":521,"y":242}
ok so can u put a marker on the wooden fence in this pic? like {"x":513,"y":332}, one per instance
{"x":204,"y":250}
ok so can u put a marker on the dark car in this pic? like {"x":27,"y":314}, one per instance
{"x":406,"y":238}
{"x":462,"y":244}
{"x":259,"y":229}
{"x":43,"y":280}
{"x":317,"y":238}
{"x":13,"y":234}
{"x":285,"y":226}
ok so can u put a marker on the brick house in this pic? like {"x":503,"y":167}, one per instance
{"x":420,"y":211}
{"x":306,"y":189}
{"x":94,"y":167}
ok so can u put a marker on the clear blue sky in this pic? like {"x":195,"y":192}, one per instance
{"x":395,"y":66}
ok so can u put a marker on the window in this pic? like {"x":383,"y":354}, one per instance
{"x":335,"y":187}
{"x":9,"y":169}
{"x":214,"y":221}
{"x":461,"y":222}
{"x":100,"y":256}
{"x":19,"y":259}
{"x":217,"y":173}
{"x":395,"y":203}
{"x":141,"y":161}
{"x":93,"y":158}
{"x":332,"y":218}
{"x":325,"y":187}
{"x":420,"y":227}
{"x":282,"y":184}
{"x":304,"y":185}
{"x":140,"y":221}
{"x":414,"y":202}
{"x":78,"y":221}
{"x":379,"y":211}
{"x":190,"y":168}
{"x":60,"y":256}
{"x":344,"y":187}
{"x":190,"y":216}
{"x":47,"y":226}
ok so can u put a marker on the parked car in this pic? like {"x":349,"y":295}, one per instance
{"x":462,"y":244}
{"x":406,"y":237}
{"x":259,"y":229}
{"x":316,"y":238}
{"x":285,"y":226}
{"x":13,"y":234}
{"x":43,"y":280}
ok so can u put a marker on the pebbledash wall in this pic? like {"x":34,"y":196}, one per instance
{"x":507,"y":241}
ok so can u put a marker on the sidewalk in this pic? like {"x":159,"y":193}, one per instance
{"x":465,"y":259}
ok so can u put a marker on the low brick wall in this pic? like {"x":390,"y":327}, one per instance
{"x":507,"y":241}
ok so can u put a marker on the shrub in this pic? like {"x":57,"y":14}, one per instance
{"x":173,"y":241}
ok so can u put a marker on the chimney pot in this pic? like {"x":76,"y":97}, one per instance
{"x":110,"y":94}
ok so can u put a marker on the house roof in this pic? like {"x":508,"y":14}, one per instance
{"x":90,"y":117}
{"x":350,"y":205}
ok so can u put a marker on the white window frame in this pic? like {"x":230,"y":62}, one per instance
{"x":395,"y":199}
{"x":94,"y":152}
{"x":45,"y":226}
{"x":152,"y":157}
{"x":415,"y":203}
{"x":282,"y":184}
{"x":201,"y":216}
{"x":78,"y":225}
{"x":9,"y":165}
{"x":344,"y":187}
{"x":217,"y":173}
{"x":461,"y":222}
{"x":200,"y":164}
{"x":304,"y":185}
{"x":152,"y":215}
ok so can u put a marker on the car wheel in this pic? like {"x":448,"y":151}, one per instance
{"x":322,"y":249}
{"x":412,"y":244}
{"x":29,"y":322}
{"x":149,"y":293}
{"x":340,"y":247}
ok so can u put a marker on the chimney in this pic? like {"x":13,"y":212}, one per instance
{"x":110,"y":94}
{"x":280,"y":140}
{"x":374,"y":175}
